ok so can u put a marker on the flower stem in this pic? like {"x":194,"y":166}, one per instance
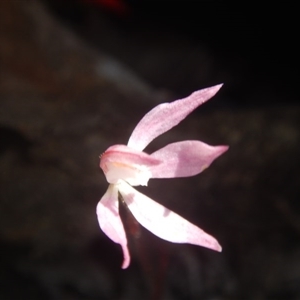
{"x":152,"y":253}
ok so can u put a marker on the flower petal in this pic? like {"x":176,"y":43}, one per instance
{"x":183,"y":159}
{"x":167,"y":115}
{"x":110,"y":221}
{"x":163,"y":222}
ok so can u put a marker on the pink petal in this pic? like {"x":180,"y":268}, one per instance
{"x":163,"y":222}
{"x":186,"y":158}
{"x":167,"y":115}
{"x":110,"y":221}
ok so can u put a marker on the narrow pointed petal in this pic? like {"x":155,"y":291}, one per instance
{"x":111,"y":223}
{"x":163,"y":222}
{"x":167,"y":115}
{"x":186,"y":158}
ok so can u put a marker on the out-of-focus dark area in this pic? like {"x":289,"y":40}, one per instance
{"x":77,"y":76}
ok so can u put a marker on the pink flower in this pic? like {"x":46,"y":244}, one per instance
{"x":127,"y":166}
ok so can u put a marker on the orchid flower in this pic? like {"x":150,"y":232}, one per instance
{"x":127,"y":166}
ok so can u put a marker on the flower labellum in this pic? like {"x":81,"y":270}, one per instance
{"x":127,"y":166}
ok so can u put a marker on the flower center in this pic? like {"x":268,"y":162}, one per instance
{"x":120,"y":162}
{"x":133,"y":174}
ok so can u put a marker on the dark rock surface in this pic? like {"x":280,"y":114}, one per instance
{"x":61,"y":105}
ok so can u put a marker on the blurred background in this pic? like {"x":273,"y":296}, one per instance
{"x":77,"y":76}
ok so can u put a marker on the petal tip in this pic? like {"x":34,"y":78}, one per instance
{"x":223,"y":148}
{"x":216,"y":88}
{"x":212,"y":243}
{"x":219,"y":150}
{"x":125,"y":265}
{"x":216,"y":246}
{"x":126,"y":259}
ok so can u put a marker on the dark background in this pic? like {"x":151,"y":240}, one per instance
{"x":246,"y":43}
{"x":76,"y":77}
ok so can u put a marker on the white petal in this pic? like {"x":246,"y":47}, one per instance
{"x":167,"y":115}
{"x":163,"y":222}
{"x":110,"y":221}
